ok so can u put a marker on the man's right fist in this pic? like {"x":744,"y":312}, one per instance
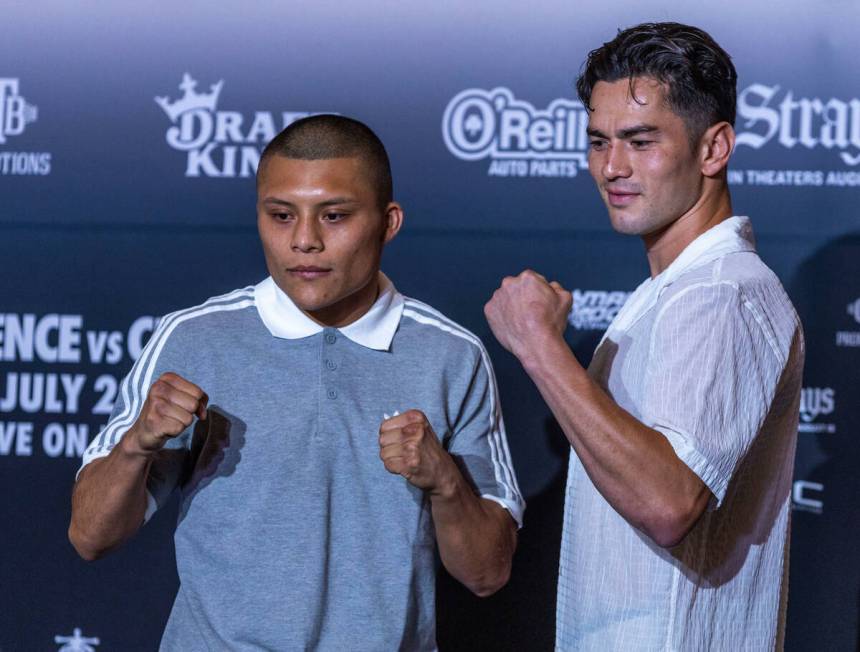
{"x":169,"y":409}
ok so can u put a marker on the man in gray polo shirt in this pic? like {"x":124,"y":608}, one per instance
{"x":324,"y":431}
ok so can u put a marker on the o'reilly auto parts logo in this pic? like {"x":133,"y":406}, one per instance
{"x":518,"y":139}
{"x":222,"y":144}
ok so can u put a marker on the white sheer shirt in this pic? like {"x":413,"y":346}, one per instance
{"x":710,"y":354}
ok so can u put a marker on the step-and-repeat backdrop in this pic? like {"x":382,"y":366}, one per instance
{"x":129,"y":138}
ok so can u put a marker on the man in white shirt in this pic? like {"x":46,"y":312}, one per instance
{"x":683,"y":428}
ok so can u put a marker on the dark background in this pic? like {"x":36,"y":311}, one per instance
{"x":117,"y":231}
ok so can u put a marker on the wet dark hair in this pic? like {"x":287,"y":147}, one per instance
{"x":700,"y":79}
{"x":328,"y":136}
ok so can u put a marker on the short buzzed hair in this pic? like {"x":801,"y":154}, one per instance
{"x":327,"y":136}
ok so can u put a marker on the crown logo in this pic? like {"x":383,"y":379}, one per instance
{"x":191,"y":99}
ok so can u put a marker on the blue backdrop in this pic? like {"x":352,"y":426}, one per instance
{"x":129,"y":136}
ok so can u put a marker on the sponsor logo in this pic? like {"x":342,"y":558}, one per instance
{"x":816,"y":402}
{"x":806,"y":496}
{"x":768,"y":114}
{"x":595,"y":309}
{"x":220,"y":144}
{"x":850,"y":338}
{"x":854,"y":310}
{"x":15,"y":114}
{"x":76,"y":642}
{"x":518,"y":139}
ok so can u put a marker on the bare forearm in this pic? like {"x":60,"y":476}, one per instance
{"x":109,"y":502}
{"x":634,"y":467}
{"x":476,"y":537}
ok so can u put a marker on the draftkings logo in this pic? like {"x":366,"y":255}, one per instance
{"x":594,"y":310}
{"x":816,"y":402}
{"x":518,"y":139}
{"x":850,"y":338}
{"x":221,"y":144}
{"x":770,"y":115}
{"x":16,"y":113}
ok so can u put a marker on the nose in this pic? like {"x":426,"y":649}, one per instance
{"x":306,"y":236}
{"x":616,"y":163}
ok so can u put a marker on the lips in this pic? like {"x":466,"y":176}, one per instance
{"x":620,"y":198}
{"x":308,"y":271}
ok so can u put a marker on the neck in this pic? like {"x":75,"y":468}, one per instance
{"x":349,"y":309}
{"x":665,"y":245}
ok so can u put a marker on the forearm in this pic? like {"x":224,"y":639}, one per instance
{"x":633,"y":466}
{"x":109,"y":501}
{"x":476,"y":537}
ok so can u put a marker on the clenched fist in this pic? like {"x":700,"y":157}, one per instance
{"x":170,"y":407}
{"x":409,"y":447}
{"x":527,"y":309}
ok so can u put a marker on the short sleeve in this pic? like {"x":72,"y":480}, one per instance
{"x":157,"y":357}
{"x":711,"y":379}
{"x":479,"y":443}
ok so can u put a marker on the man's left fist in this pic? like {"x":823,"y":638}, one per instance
{"x":409,"y":447}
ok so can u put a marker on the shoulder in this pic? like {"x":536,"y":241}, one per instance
{"x":436,"y":332}
{"x":213,"y":315}
{"x":737,"y":291}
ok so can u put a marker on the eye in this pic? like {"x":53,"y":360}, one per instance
{"x":333,"y":217}
{"x":598,"y":145}
{"x":640,"y":144}
{"x":281,"y":217}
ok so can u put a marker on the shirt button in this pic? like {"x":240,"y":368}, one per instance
{"x":332,"y":393}
{"x":331,"y":364}
{"x":330,"y":338}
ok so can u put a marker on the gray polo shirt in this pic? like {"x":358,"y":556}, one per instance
{"x":291,"y":533}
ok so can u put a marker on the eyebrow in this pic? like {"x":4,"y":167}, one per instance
{"x":624,"y":134}
{"x":334,"y":201}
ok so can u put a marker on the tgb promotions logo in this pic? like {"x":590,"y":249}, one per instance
{"x":595,"y":309}
{"x":518,"y":139}
{"x":221,"y":144}
{"x":15,"y":114}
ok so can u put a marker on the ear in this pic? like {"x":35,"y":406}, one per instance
{"x":717,"y":144}
{"x":393,"y":221}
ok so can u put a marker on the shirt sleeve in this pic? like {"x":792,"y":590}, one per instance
{"x":157,"y":357}
{"x":711,"y":381}
{"x":479,"y":444}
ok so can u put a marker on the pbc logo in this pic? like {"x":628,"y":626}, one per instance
{"x":222,"y":144}
{"x":15,"y":112}
{"x":850,"y":338}
{"x":519,"y":140}
{"x":854,"y":310}
{"x":814,"y":402}
{"x":595,"y":309}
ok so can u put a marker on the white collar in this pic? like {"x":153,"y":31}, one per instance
{"x":374,"y":329}
{"x":730,"y":236}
